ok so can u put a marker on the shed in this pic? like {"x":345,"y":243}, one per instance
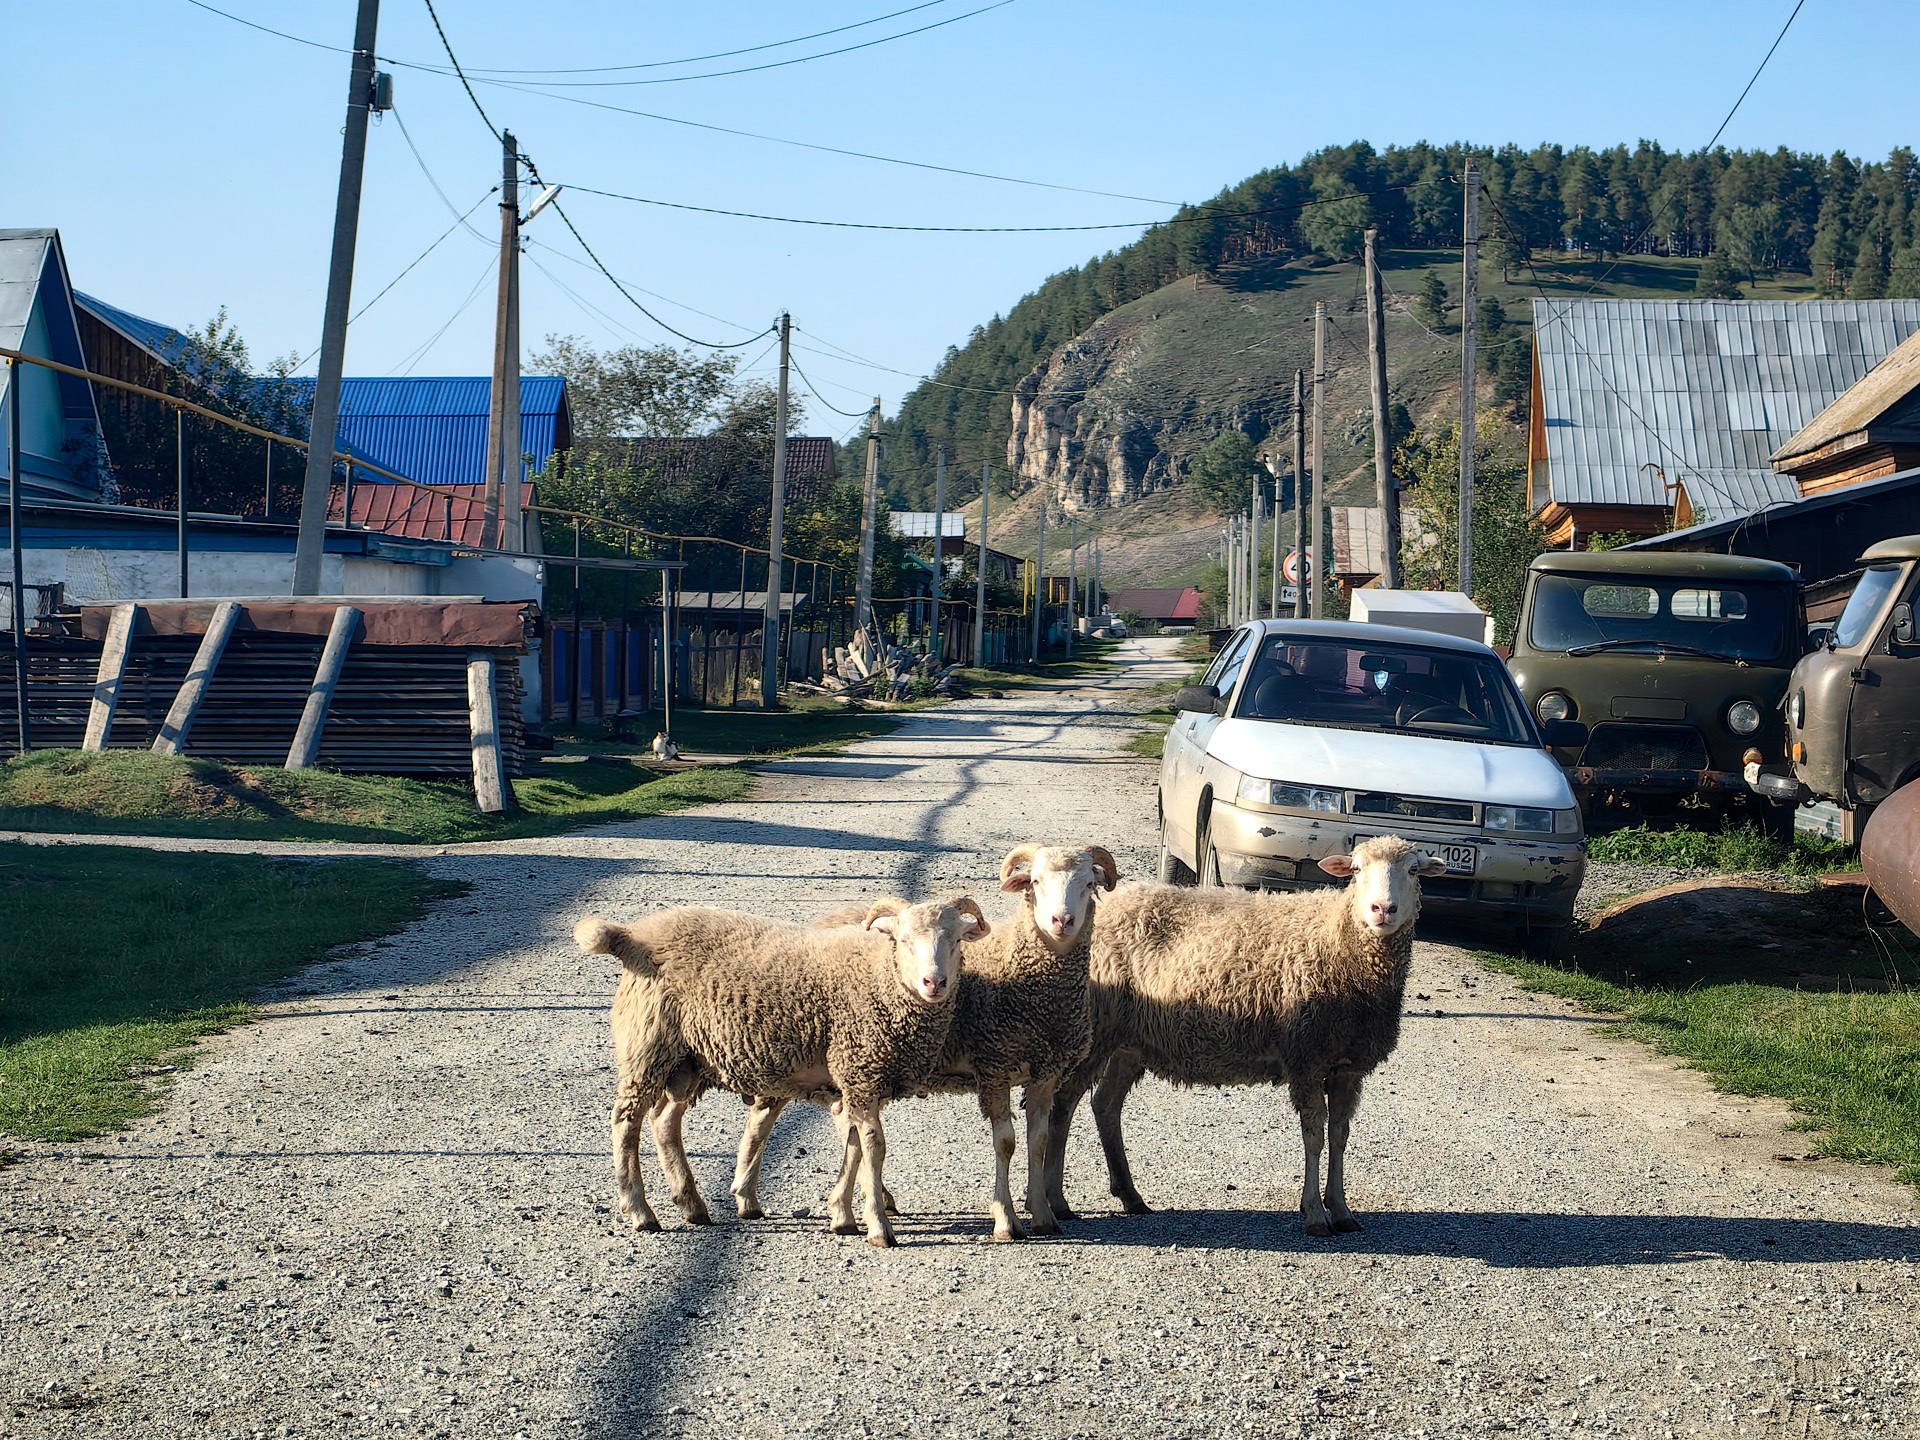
{"x":62,"y":453}
{"x":1871,"y":431}
{"x":1170,"y":605}
{"x":1444,"y":612}
{"x":1642,"y":406}
{"x":1359,"y":544}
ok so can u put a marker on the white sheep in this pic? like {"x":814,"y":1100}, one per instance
{"x":1227,"y":987}
{"x":715,"y":999}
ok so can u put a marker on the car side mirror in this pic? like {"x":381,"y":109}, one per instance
{"x":1563,"y":734}
{"x":1903,"y":623}
{"x":1203,"y":698}
{"x":1818,"y":638}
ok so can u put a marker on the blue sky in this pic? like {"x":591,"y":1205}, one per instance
{"x":190,"y":162}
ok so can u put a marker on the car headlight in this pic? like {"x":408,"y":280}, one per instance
{"x":1553,"y":706}
{"x":1743,"y":717}
{"x":1520,"y":818}
{"x":1294,"y":797}
{"x":1566,"y":822}
{"x":1797,"y":712}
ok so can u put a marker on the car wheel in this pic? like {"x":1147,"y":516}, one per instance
{"x":1172,"y":870}
{"x":1548,"y":944}
{"x":1209,"y":864}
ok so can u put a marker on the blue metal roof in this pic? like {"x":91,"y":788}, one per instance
{"x":434,"y":430}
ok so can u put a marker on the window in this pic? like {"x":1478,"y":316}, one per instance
{"x":1708,"y":605}
{"x":1437,"y":693}
{"x":1227,"y":674}
{"x":1869,"y":598}
{"x":1590,"y":612}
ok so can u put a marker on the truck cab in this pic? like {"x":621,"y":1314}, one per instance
{"x":1677,"y":664}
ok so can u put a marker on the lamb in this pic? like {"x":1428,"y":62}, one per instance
{"x":714,"y":999}
{"x":1211,"y":987}
{"x":1021,"y":1019}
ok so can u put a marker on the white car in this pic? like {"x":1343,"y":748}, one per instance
{"x":1306,"y":736}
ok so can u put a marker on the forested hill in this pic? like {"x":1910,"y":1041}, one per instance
{"x":1848,"y":228}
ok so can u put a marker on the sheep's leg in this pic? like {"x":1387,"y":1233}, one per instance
{"x":997,"y":1105}
{"x":1343,"y":1098}
{"x":863,"y":1121}
{"x":639,"y":1089}
{"x":840,"y":1199}
{"x":1039,"y":1105}
{"x":1066,"y":1100}
{"x":753,"y":1149}
{"x":1123,"y":1073}
{"x":668,"y":1114}
{"x":1311,"y":1102}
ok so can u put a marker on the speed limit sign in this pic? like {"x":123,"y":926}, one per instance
{"x":1292,"y":566}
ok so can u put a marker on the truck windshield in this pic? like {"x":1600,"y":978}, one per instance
{"x":1750,"y":621}
{"x":1865,"y":604}
{"x":1444,"y":694}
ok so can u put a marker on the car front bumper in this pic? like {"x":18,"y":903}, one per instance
{"x":1534,"y":881}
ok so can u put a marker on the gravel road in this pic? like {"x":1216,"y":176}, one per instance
{"x":385,"y":1209}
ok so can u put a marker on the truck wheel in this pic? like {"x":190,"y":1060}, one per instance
{"x":1775,"y":820}
{"x":1548,"y":944}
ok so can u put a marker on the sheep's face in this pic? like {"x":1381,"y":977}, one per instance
{"x":1059,"y":885}
{"x":927,"y":941}
{"x":1384,"y":882}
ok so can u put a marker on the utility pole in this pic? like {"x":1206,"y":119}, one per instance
{"x":1318,"y":566}
{"x":1279,"y":552}
{"x":1073,"y":577}
{"x":776,"y":534}
{"x":16,"y":543}
{"x":939,"y":544}
{"x":980,"y":580}
{"x":1300,"y":489}
{"x":1039,"y":579}
{"x":863,"y":594}
{"x":1099,"y":605}
{"x":503,"y":428}
{"x":1469,"y":383}
{"x":1253,"y":557}
{"x":324,"y":427}
{"x":1388,"y":501}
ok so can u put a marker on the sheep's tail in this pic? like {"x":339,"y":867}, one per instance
{"x":602,"y":937}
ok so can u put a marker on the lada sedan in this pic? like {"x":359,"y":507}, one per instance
{"x":1305,"y":737}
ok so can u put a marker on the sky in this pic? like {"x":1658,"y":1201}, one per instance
{"x":190,"y":162}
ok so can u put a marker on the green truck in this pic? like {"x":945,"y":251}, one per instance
{"x":1677,"y":664}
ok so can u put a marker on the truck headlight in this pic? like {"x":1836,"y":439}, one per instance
{"x":1553,"y":706}
{"x":1797,"y":712}
{"x":1520,"y":818}
{"x":1294,"y":797}
{"x":1566,"y":822}
{"x":1743,"y":717}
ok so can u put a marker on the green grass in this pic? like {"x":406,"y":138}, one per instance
{"x":1798,"y":1000}
{"x":1091,"y":659}
{"x":1737,"y":850}
{"x":134,"y":792}
{"x":810,"y":725}
{"x":112,"y":960}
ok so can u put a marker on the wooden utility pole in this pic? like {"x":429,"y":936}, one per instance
{"x":863,"y":593}
{"x":1300,"y":488}
{"x":1385,"y":496}
{"x":776,"y":534}
{"x":503,"y":438}
{"x":1099,"y":605}
{"x":1469,"y":382}
{"x":1279,"y":551}
{"x":1317,"y":566}
{"x":1073,"y":577}
{"x":1039,"y":579}
{"x":324,"y":427}
{"x":980,"y":580}
{"x":939,"y":544}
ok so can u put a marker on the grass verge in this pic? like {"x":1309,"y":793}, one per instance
{"x":810,"y":725}
{"x":1842,"y":1048}
{"x":1739,"y":850}
{"x":112,"y":960}
{"x":134,"y":792}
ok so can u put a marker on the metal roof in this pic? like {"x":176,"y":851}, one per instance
{"x":1866,"y":492}
{"x":58,"y":419}
{"x":1157,"y":602}
{"x":1706,"y":390}
{"x":1885,"y":386}
{"x":918,"y":524}
{"x":458,"y":518}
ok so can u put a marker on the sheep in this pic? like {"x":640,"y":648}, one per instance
{"x":714,"y":999}
{"x":1211,"y":987}
{"x":1021,"y":1019}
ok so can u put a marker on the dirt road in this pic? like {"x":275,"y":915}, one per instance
{"x":386,"y":1208}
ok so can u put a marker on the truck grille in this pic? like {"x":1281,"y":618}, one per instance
{"x":1413,"y":808}
{"x":1645,"y":747}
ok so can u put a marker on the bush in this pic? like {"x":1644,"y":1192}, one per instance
{"x":1740,"y":850}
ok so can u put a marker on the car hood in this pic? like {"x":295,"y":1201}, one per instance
{"x":1396,"y":764}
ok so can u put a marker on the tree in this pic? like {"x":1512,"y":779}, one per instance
{"x":1504,"y":249}
{"x":1750,"y":236}
{"x":1903,"y":280}
{"x":639,"y":390}
{"x":1223,"y":474}
{"x":1492,"y":320}
{"x":1336,"y":226}
{"x":1716,"y":279}
{"x":1513,"y":373}
{"x":1430,"y":304}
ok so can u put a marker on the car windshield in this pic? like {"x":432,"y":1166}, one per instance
{"x":1751,"y":621}
{"x":1864,"y":605}
{"x":1402,"y":688}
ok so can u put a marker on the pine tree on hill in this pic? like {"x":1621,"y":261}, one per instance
{"x":1430,"y":302}
{"x":1716,"y":280}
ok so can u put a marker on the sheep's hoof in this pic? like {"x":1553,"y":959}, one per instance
{"x":645,"y":1220}
{"x":883,"y":1240}
{"x":1320,"y":1228}
{"x":1009,"y":1232}
{"x":750,"y":1210}
{"x":1134,"y":1205}
{"x":886,"y":1203}
{"x":699,"y":1217}
{"x":1347,"y":1225}
{"x":845,"y":1227}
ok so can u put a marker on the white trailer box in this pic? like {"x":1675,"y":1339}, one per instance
{"x":1447,"y":612}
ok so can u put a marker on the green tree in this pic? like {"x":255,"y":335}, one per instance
{"x":1492,"y":320}
{"x":639,"y":389}
{"x":1716,"y":279}
{"x":1337,"y":227}
{"x":1430,"y":304}
{"x":1903,"y":280}
{"x":1224,"y":472}
{"x":1513,"y":373}
{"x":1750,"y":236}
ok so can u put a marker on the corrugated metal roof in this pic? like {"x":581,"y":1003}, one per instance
{"x":1700,"y":388}
{"x":58,"y":418}
{"x":403,"y":510}
{"x":1156,"y":602}
{"x":434,"y":430}
{"x":163,"y":342}
{"x":1885,"y":386}
{"x":918,"y":524}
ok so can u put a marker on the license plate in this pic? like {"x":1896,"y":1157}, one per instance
{"x":1460,"y":859}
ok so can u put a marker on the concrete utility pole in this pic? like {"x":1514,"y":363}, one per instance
{"x":1469,"y":383}
{"x":1253,"y":557}
{"x":324,"y":427}
{"x":1099,"y":605}
{"x":503,"y":414}
{"x":1385,"y":496}
{"x":980,"y":580}
{"x":1039,"y":579}
{"x":1279,"y":551}
{"x":1073,"y":577}
{"x":869,"y":516}
{"x":776,"y":534}
{"x":1300,"y":488}
{"x":1317,"y":569}
{"x":939,"y":544}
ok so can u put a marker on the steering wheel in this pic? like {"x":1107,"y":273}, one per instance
{"x":1442,"y":714}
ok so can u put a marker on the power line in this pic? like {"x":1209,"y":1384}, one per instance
{"x":492,"y":129}
{"x":664,"y":299}
{"x":420,"y":352}
{"x":850,"y":414}
{"x":421,"y":161}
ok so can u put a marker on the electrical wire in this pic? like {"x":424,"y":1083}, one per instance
{"x":663,"y":299}
{"x":560,"y":210}
{"x":447,"y":45}
{"x":850,"y":414}
{"x":421,"y":161}
{"x":419,"y":353}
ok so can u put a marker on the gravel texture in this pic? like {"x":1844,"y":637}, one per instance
{"x":386,"y":1208}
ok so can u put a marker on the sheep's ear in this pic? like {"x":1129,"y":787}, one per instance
{"x":883,"y":924}
{"x":1016,"y":871}
{"x":1341,"y":865}
{"x":891,"y":905}
{"x":1430,"y":865}
{"x":977,"y":926}
{"x":1103,"y":861}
